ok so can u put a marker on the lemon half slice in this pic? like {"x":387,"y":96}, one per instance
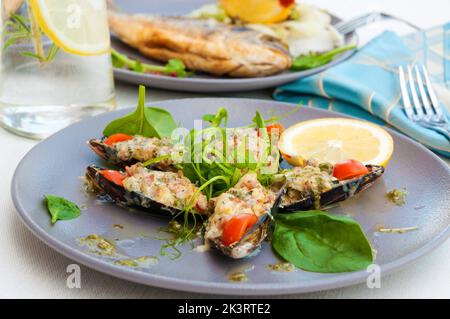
{"x":79,"y":27}
{"x":258,"y":11}
{"x":334,"y":140}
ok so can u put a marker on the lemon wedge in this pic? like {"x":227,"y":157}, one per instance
{"x":334,"y":140}
{"x":258,"y":11}
{"x":78,"y":27}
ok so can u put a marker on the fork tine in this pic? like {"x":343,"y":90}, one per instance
{"x":406,"y":100}
{"x":415,"y":97}
{"x":434,"y":100}
{"x":429,"y":112}
{"x":345,"y":27}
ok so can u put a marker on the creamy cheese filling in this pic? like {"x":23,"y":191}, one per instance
{"x":168,"y":188}
{"x":306,"y":181}
{"x":243,"y":145}
{"x":247,"y":197}
{"x":143,"y":149}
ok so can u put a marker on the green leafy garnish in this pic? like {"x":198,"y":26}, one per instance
{"x":18,"y":29}
{"x":276,"y":118}
{"x":216,"y":119}
{"x":314,"y":60}
{"x":259,"y":120}
{"x":144,"y":121}
{"x":201,"y":170}
{"x":179,"y":235}
{"x":173,"y":67}
{"x":182,"y":233}
{"x":61,"y":208}
{"x":320,"y":242}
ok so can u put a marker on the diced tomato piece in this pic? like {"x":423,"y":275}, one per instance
{"x":114,"y":176}
{"x":236,"y":227}
{"x":117,"y":138}
{"x":275,"y":128}
{"x":199,"y":208}
{"x":349,"y":169}
{"x":286,"y":3}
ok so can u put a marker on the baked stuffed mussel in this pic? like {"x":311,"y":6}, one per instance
{"x":165,"y":193}
{"x":241,"y":218}
{"x":124,"y":150}
{"x":315,"y":187}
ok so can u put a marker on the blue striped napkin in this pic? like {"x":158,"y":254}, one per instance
{"x":366,"y":86}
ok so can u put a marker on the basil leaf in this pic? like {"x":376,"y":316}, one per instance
{"x":61,"y":208}
{"x":320,"y":242}
{"x":144,"y":121}
{"x":314,"y":60}
{"x":159,"y":123}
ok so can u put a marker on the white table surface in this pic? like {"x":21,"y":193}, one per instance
{"x":30,"y":269}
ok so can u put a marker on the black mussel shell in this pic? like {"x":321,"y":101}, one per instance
{"x":108,"y":153}
{"x":122,"y":197}
{"x":340,"y":192}
{"x":251,"y":242}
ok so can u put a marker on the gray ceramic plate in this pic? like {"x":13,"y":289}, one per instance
{"x":201,"y":83}
{"x":56,"y":164}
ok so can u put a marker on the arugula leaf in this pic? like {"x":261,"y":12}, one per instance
{"x":61,"y":208}
{"x":314,"y":60}
{"x":259,"y":120}
{"x":320,"y":242}
{"x":144,"y":121}
{"x":216,"y":119}
{"x":173,"y":66}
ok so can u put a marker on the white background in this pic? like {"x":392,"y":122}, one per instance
{"x":29,"y":269}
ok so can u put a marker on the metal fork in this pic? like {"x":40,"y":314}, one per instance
{"x":426,"y":111}
{"x":345,"y":27}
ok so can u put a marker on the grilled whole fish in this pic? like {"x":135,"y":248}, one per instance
{"x":203,"y":45}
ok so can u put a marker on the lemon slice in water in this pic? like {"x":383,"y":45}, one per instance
{"x":79,"y":27}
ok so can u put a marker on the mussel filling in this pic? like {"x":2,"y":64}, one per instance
{"x":143,"y":149}
{"x":242,"y":145}
{"x":302,"y":182}
{"x":247,"y":198}
{"x":168,"y":188}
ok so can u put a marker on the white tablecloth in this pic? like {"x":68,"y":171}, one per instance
{"x":30,"y":269}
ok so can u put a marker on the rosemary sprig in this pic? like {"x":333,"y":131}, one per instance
{"x":36,"y":36}
{"x":16,"y":30}
{"x":20,"y":29}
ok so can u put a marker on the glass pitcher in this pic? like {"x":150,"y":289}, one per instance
{"x":55,"y":64}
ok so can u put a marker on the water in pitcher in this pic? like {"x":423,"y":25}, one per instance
{"x":49,"y":82}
